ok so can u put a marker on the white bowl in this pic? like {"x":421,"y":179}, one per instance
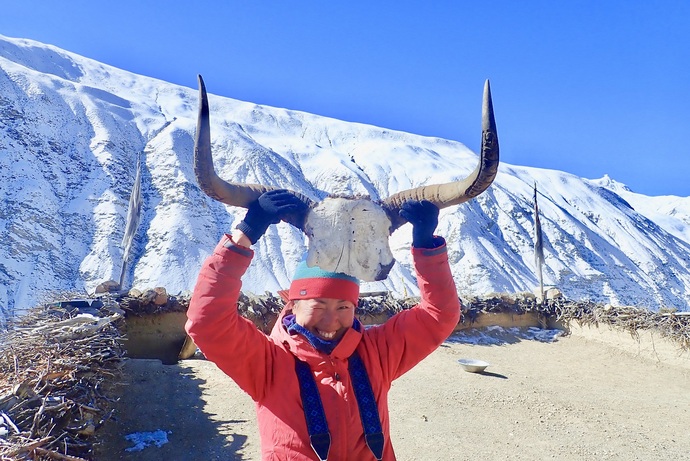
{"x":472,"y":365}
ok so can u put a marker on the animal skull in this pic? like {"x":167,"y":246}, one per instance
{"x":348,"y":234}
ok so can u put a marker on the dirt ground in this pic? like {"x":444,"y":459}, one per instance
{"x":595,"y":394}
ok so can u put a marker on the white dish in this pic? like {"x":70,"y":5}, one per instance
{"x":472,"y":365}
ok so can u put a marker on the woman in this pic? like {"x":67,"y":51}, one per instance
{"x":320,"y":380}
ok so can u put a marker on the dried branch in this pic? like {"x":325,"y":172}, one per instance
{"x":52,"y":363}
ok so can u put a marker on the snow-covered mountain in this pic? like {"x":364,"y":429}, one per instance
{"x":72,"y":129}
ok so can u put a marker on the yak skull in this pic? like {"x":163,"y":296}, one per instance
{"x":349,"y":234}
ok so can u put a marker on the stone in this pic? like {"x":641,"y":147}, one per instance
{"x":108,"y":286}
{"x":161,"y":298}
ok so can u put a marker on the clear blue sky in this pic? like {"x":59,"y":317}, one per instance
{"x":586,"y":87}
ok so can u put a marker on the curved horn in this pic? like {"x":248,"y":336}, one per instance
{"x":454,"y":193}
{"x":215,"y":187}
{"x":230,"y":193}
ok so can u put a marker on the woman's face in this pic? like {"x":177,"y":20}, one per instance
{"x":327,"y":318}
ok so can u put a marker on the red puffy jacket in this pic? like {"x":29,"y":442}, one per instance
{"x":264,"y":366}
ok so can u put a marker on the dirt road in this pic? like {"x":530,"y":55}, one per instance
{"x":592,"y":395}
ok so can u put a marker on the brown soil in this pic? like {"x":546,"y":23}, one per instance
{"x":594,"y":395}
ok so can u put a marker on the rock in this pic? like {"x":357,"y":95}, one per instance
{"x":161,"y":298}
{"x":148,"y":296}
{"x":157,"y":296}
{"x":108,"y":286}
{"x":553,"y":293}
{"x":550,"y":293}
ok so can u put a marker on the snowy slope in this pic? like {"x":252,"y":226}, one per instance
{"x":71,"y":130}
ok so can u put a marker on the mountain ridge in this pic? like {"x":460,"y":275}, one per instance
{"x":71,"y":130}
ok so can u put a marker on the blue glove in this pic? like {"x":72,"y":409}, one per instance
{"x":269,"y":209}
{"x":424,"y":218}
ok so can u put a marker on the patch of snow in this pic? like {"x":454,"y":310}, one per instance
{"x":498,"y":336}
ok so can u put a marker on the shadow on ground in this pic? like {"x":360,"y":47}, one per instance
{"x":165,"y":400}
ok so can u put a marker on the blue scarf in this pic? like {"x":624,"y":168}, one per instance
{"x":319,"y":344}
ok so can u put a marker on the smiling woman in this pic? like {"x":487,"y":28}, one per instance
{"x":325,"y":317}
{"x":318,"y":365}
{"x":323,"y":305}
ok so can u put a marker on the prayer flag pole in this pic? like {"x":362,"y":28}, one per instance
{"x":538,"y":245}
